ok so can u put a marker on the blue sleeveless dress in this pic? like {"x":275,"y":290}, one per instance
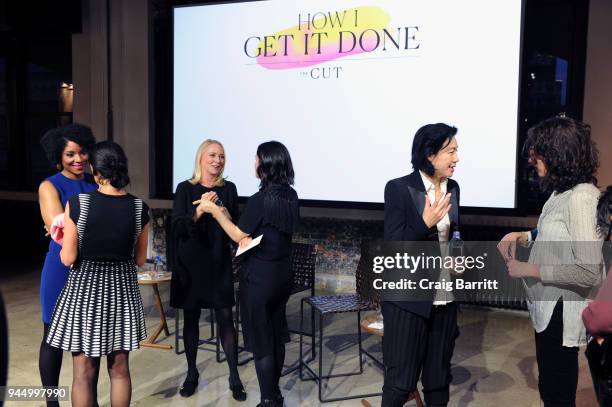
{"x":54,"y":273}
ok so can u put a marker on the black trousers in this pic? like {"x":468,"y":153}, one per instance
{"x":601,"y":370}
{"x":557,"y":364}
{"x":413,"y":347}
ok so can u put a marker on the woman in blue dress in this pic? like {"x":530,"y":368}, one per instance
{"x":66,"y":148}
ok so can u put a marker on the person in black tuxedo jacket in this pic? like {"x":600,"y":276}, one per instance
{"x":420,"y":335}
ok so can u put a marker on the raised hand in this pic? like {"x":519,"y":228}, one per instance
{"x":206,"y":206}
{"x":210,"y":196}
{"x":207,"y":199}
{"x":433,"y":214}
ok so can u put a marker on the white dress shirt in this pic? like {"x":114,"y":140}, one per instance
{"x":442,"y":297}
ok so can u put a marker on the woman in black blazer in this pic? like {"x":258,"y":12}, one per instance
{"x":422,"y":206}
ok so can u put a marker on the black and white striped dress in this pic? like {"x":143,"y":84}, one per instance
{"x":100,"y":309}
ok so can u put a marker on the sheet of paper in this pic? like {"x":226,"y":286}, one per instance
{"x":253,"y":243}
{"x":376,"y":325}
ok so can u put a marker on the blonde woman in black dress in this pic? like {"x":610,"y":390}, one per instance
{"x":201,"y":261}
{"x":99,"y":311}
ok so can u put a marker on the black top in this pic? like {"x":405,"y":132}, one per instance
{"x":110,"y":230}
{"x":200,"y":252}
{"x":274,"y":213}
{"x":266,"y":276}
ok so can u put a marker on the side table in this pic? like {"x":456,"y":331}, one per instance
{"x":163,"y":325}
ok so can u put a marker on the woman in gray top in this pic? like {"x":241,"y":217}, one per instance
{"x":565,"y":260}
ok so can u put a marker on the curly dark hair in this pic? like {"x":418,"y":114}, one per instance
{"x":54,"y":141}
{"x":570,"y":155}
{"x":604,"y":212}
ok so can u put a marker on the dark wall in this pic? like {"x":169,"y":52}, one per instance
{"x":24,"y":242}
{"x":59,"y":16}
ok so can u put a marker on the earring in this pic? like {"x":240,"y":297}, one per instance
{"x":59,"y":167}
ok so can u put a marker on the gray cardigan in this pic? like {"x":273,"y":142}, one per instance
{"x":568,"y":250}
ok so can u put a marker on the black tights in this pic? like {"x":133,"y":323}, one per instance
{"x":227,"y":336}
{"x":269,"y":369}
{"x":50,"y":364}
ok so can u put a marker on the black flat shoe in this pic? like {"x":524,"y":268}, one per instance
{"x":238,"y":392}
{"x":189,"y":386}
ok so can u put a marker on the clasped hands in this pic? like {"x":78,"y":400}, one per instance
{"x":56,"y":230}
{"x":507,"y":249}
{"x":208,"y":204}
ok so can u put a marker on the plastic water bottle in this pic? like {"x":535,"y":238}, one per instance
{"x":158,"y":273}
{"x":456,"y":244}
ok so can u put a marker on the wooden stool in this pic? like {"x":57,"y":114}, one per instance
{"x":163,"y":326}
{"x":415,"y":395}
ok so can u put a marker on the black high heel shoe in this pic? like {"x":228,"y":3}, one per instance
{"x":238,"y":392}
{"x":277,"y":401}
{"x":189,"y":385}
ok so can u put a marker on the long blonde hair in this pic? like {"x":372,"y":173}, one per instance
{"x":197,"y":168}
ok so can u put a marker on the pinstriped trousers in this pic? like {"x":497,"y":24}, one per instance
{"x":413,"y":347}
